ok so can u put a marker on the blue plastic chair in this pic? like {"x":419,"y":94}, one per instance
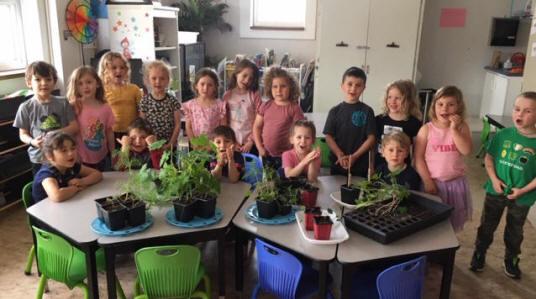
{"x":402,"y":281}
{"x":283,"y":275}
{"x":253,"y":166}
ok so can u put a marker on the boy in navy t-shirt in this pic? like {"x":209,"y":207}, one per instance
{"x":228,"y":163}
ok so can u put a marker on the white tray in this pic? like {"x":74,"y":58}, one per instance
{"x":336,"y":196}
{"x":338,"y":232}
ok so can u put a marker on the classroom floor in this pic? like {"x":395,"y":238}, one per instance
{"x":15,"y":240}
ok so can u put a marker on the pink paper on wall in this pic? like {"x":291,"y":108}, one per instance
{"x":452,"y":17}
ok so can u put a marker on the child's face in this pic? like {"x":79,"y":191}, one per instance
{"x":394,"y":153}
{"x":352,"y":88}
{"x":42,"y":86}
{"x":118,"y":71}
{"x":137,"y":140}
{"x":222,"y":143}
{"x":87,"y":86}
{"x":524,"y":114}
{"x":244,"y":78}
{"x":445,"y":107}
{"x":65,"y":156}
{"x":158,"y":80}
{"x":395,"y":101}
{"x":206,"y":87}
{"x":280,"y":89}
{"x":302,"y":140}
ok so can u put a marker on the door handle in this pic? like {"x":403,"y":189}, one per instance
{"x":362,"y":47}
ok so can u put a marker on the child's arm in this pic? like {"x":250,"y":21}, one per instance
{"x":220,"y":162}
{"x":71,"y":128}
{"x":306,"y":162}
{"x":176,"y":129}
{"x":342,"y":159}
{"x":25,"y":137}
{"x":125,"y":143}
{"x":257,"y":134}
{"x":110,"y":139}
{"x":498,"y":184}
{"x":88,"y":177}
{"x":189,"y":130}
{"x":234,"y":174}
{"x":57,"y":194}
{"x":461,"y":134}
{"x":517,"y":192}
{"x":314,"y":167}
{"x":363,"y":149}
{"x":420,"y":164}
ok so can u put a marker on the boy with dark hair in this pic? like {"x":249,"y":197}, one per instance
{"x":228,"y":163}
{"x":135,"y":146}
{"x":350,"y":127}
{"x":44,"y":112}
{"x":511,"y":166}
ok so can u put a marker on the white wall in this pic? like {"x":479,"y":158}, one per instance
{"x":529,"y":74}
{"x":458,"y":55}
{"x":229,"y":44}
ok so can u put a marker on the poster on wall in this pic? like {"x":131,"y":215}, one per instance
{"x":131,"y":30}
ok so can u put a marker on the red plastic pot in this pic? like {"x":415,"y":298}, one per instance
{"x":308,"y":198}
{"x":322,"y":227}
{"x":310,"y":214}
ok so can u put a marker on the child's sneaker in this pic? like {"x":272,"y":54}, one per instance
{"x":511,"y":268}
{"x":478,"y":261}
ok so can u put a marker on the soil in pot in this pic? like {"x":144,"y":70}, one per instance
{"x":322,"y":227}
{"x":349,"y":194}
{"x":267,"y":209}
{"x":310,"y":214}
{"x":184,"y":212}
{"x":114,"y":215}
{"x":205,"y":207}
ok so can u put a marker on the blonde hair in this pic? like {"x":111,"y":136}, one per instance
{"x":407,"y":89}
{"x":156,"y":64}
{"x":448,"y":91}
{"x":278,"y":72}
{"x":73,"y":94}
{"x":397,"y":136}
{"x":106,"y":62}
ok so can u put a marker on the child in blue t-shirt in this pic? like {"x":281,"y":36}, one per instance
{"x":62,"y":176}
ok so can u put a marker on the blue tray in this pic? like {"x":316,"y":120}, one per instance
{"x":253,"y":214}
{"x":99,"y":227}
{"x":196,"y":222}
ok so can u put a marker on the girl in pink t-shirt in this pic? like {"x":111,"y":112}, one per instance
{"x":206,"y":112}
{"x":302,"y":159}
{"x":242,"y":101}
{"x":275,"y":117}
{"x":95,"y":118}
{"x":439,"y":150}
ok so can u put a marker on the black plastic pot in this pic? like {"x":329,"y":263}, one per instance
{"x":284,"y":209}
{"x":114,"y":215}
{"x":99,"y":202}
{"x":184,"y":212}
{"x":267,"y":210}
{"x":135,"y":212}
{"x":205,"y":207}
{"x":349,"y":195}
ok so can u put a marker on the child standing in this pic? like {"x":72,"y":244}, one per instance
{"x":62,"y":177}
{"x":228,"y":163}
{"x":395,"y":150}
{"x":159,"y":108}
{"x":350,"y":127}
{"x":511,"y":166}
{"x":44,"y":112}
{"x":439,"y":150}
{"x":95,"y":118}
{"x":135,"y":145}
{"x":401,"y":113}
{"x":242,"y":101}
{"x":122,"y":96}
{"x":275,"y":117}
{"x":206,"y":112}
{"x":302,"y":159}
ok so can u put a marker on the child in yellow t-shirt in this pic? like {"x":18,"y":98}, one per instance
{"x":122,"y":96}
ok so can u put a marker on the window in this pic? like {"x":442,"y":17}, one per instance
{"x":279,"y":19}
{"x":13,"y":53}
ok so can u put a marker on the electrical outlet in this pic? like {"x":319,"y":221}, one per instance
{"x":67,"y":34}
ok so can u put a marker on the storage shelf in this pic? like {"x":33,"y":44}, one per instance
{"x":15,"y":175}
{"x":6,"y":122}
{"x":13,"y":149}
{"x":11,"y":204}
{"x":157,"y":49}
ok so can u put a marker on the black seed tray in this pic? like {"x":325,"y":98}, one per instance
{"x":421,"y":213}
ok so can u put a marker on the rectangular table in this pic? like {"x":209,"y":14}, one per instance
{"x":71,"y":219}
{"x":287,"y":236}
{"x":161,"y":233}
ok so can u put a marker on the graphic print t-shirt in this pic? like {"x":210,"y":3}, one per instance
{"x":93,"y":122}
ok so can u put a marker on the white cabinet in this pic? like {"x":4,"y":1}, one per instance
{"x":380,"y":36}
{"x":499,"y":93}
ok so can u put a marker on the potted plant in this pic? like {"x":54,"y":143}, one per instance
{"x":202,"y":15}
{"x":322,"y":227}
{"x":308,"y":195}
{"x":310,"y":214}
{"x":288,"y":196}
{"x":267,"y":194}
{"x":349,"y":193}
{"x":112,"y":212}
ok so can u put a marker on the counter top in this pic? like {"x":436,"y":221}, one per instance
{"x":502,"y":72}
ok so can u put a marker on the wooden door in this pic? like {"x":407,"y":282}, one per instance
{"x":340,"y":21}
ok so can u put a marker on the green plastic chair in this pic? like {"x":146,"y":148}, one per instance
{"x":60,"y":261}
{"x":484,"y":136}
{"x":170,"y":272}
{"x":324,"y":148}
{"x":27,"y":201}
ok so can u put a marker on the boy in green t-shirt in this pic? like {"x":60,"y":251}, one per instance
{"x":511,"y":166}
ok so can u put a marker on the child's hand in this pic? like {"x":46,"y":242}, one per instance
{"x":150,"y":139}
{"x":313,"y":155}
{"x":230,"y":153}
{"x":498,"y":185}
{"x":430,"y":187}
{"x":222,"y":159}
{"x":343,"y":161}
{"x":455,"y":121}
{"x":38,"y":142}
{"x":246,"y":147}
{"x":515,"y":194}
{"x":124,"y":141}
{"x":76,"y":183}
{"x":262,"y":152}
